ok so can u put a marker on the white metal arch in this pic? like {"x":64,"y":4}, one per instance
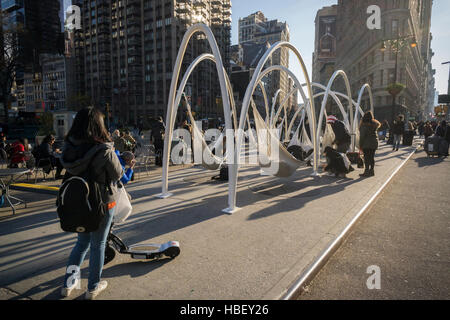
{"x":325,"y":100}
{"x":246,"y":104}
{"x":171,"y":107}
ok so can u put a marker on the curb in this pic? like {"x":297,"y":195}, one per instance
{"x":308,"y":275}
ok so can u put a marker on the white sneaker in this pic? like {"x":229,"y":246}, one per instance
{"x":65,"y":292}
{"x":91,"y":295}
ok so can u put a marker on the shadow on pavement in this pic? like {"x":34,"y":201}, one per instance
{"x":327,"y":186}
{"x":134,"y":269}
{"x":427,"y":161}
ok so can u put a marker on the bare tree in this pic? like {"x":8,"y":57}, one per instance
{"x":10,"y":58}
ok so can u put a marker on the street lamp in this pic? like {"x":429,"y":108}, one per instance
{"x":396,"y":45}
{"x":448,"y":90}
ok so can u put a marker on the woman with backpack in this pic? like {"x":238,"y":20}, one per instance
{"x":88,"y":148}
{"x":368,"y":142}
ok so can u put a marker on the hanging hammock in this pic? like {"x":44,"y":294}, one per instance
{"x":213,"y":162}
{"x":286,"y":164}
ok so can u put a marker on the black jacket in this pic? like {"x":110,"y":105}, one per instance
{"x":341,"y":133}
{"x":44,"y":151}
{"x":398,"y":127}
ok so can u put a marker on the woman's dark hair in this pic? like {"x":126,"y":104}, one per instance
{"x":48,"y":138}
{"x":89,"y":126}
{"x":368,"y":117}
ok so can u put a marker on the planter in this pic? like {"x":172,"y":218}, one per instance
{"x":395,"y":89}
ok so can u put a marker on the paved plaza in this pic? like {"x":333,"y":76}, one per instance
{"x":259,"y":252}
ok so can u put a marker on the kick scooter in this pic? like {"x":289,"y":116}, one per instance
{"x":169,"y":249}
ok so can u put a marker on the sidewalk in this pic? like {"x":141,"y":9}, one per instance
{"x":256,"y":253}
{"x":406,"y":234}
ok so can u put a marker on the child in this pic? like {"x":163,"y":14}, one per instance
{"x":126,"y":159}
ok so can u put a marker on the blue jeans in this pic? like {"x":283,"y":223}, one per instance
{"x":397,"y":140}
{"x":97,"y":242}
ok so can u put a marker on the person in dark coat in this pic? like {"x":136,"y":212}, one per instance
{"x":427,"y":130}
{"x":336,"y":164}
{"x":398,"y":129}
{"x":46,"y":156}
{"x":368,"y":142}
{"x":343,"y":138}
{"x":443,"y":131}
{"x":157,"y":138}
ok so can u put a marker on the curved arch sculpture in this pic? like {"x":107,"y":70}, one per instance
{"x":172,"y":107}
{"x":232,"y":122}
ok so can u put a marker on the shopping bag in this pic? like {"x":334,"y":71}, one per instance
{"x":123,"y":206}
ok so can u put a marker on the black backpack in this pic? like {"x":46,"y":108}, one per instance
{"x":79,"y":204}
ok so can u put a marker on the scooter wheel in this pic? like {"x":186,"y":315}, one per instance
{"x":172,"y":252}
{"x":110,"y":254}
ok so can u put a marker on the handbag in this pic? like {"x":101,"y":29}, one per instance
{"x":123,"y":206}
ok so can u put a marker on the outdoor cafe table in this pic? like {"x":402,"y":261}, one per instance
{"x":8,"y":177}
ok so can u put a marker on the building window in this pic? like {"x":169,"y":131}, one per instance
{"x":395,"y":32}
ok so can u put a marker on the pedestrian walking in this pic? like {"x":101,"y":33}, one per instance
{"x":89,"y":148}
{"x":398,"y":129}
{"x":368,"y":142}
{"x":420,"y":128}
{"x":343,"y":138}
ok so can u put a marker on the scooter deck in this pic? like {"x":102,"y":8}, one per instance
{"x":169,"y":249}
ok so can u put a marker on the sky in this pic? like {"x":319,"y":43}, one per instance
{"x":300,"y":15}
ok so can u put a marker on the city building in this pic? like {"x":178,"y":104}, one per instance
{"x":33,"y":92}
{"x":245,"y":58}
{"x":324,"y":56}
{"x":58,"y":82}
{"x":126,"y":52}
{"x":371,"y":56}
{"x":256,"y":28}
{"x":39,"y":33}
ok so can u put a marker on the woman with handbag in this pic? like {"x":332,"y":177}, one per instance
{"x":368,"y":142}
{"x":89,"y":147}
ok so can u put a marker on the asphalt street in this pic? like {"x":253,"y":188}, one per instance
{"x":403,"y":241}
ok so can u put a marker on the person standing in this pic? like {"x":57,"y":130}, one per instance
{"x":368,"y":142}
{"x":427,"y":130}
{"x":157,"y":139}
{"x":398,"y":129}
{"x":88,"y":147}
{"x":442,"y":130}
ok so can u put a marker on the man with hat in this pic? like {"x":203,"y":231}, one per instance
{"x":342,"y":136}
